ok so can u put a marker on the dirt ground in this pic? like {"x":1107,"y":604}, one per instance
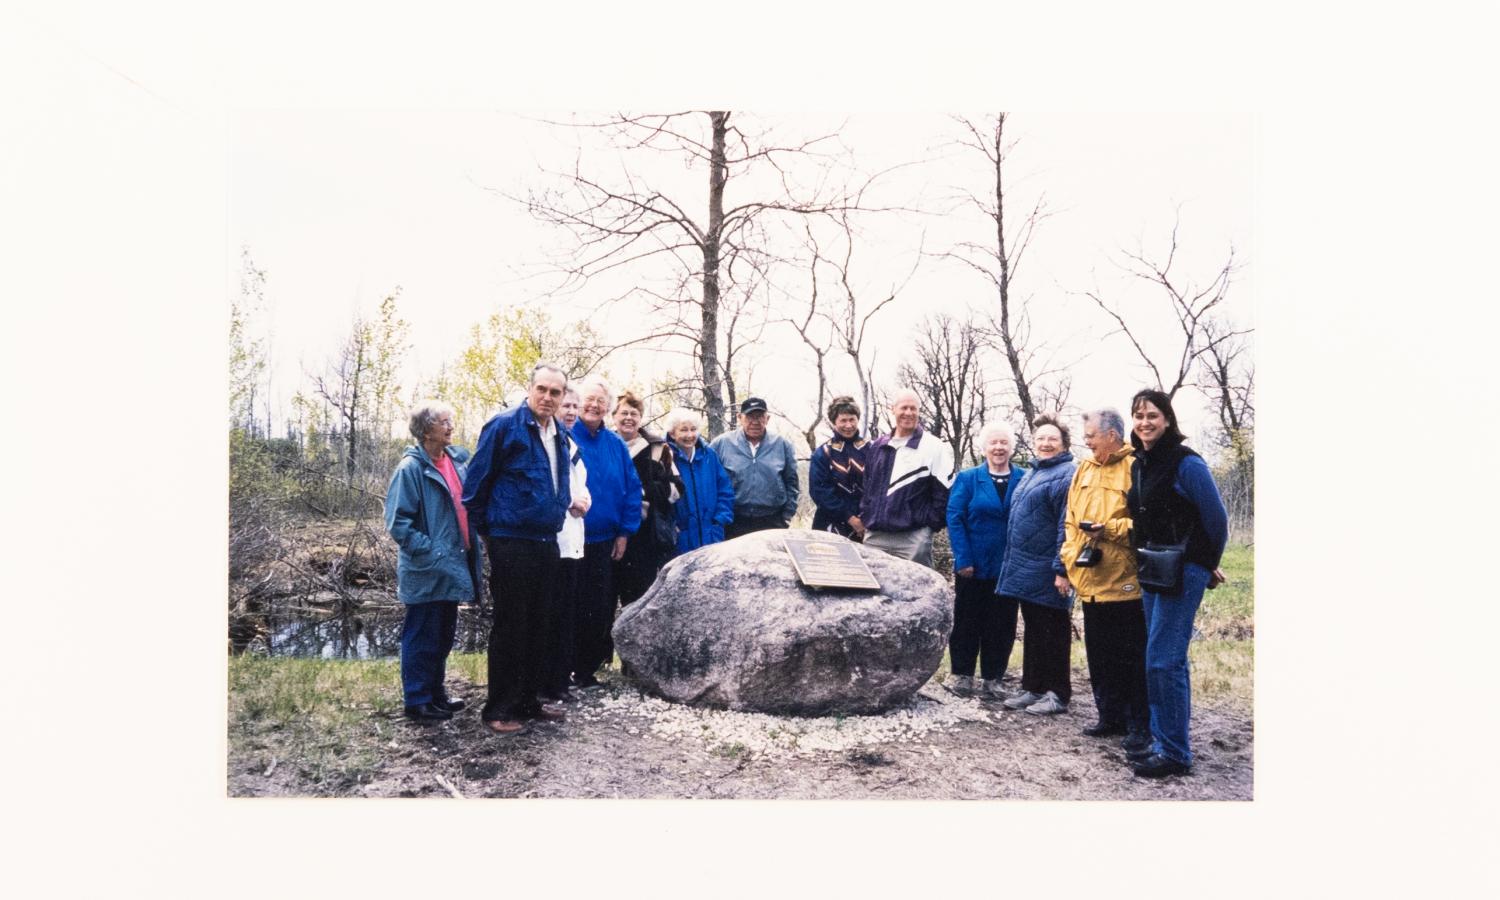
{"x":618,"y":743}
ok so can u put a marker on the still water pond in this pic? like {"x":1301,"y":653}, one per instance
{"x":369,"y":633}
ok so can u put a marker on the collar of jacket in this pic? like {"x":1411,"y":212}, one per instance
{"x":837,"y":443}
{"x":911,"y":442}
{"x":1162,"y":444}
{"x":457,"y":454}
{"x":1124,"y":451}
{"x":1059,"y":459}
{"x":698,"y":446}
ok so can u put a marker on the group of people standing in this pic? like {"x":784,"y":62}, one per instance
{"x":577,"y":518}
{"x":1036,"y":540}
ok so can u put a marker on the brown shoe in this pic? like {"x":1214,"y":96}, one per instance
{"x":549,"y":714}
{"x":506,"y":726}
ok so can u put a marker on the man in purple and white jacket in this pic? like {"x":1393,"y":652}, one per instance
{"x":907,"y":476}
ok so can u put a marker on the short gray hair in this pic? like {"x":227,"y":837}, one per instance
{"x":677,"y":416}
{"x":992,"y":428}
{"x":1107,"y":419}
{"x":588,"y":381}
{"x":424,"y":414}
{"x":546,"y":367}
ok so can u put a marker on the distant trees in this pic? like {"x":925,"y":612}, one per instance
{"x":948,"y":376}
{"x":499,"y":358}
{"x":360,"y":383}
{"x":247,"y":345}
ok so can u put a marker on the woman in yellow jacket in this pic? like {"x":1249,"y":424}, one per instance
{"x":1101,"y":571}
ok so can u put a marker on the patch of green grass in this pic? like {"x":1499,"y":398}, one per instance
{"x":330,"y":719}
{"x":1223,"y":672}
{"x":735,"y":750}
{"x":1228,"y":610}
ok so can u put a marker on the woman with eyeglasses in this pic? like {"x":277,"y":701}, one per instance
{"x":438,"y":564}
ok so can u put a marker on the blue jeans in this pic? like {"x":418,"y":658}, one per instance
{"x":426,"y":639}
{"x":1169,"y":627}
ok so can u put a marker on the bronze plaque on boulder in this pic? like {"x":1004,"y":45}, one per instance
{"x":821,"y":564}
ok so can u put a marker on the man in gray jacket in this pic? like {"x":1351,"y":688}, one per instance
{"x":763,"y":469}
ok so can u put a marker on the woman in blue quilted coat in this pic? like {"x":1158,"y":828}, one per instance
{"x":1034,"y":574}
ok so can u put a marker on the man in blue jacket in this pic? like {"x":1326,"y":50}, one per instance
{"x":517,"y":495}
{"x":763,"y":469}
{"x":612,"y":518}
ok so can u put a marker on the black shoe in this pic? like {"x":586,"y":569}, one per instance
{"x":452,"y":706}
{"x":1136,"y":740}
{"x":1157,"y":766}
{"x":428,"y":712}
{"x":1104,"y":729}
{"x":1140,"y":755}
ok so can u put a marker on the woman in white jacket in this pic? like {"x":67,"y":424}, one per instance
{"x":559,"y":669}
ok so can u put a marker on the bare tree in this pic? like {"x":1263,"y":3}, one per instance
{"x":948,"y":376}
{"x":622,"y":223}
{"x":834,"y":321}
{"x":1193,"y":308}
{"x":359,"y":383}
{"x":998,"y":260}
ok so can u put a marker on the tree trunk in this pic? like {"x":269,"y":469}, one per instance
{"x":1012,"y":355}
{"x":708,"y":336}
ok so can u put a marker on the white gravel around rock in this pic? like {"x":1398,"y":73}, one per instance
{"x":779,"y":737}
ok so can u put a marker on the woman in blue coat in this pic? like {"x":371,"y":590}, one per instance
{"x":438,"y":564}
{"x":1034,"y":574}
{"x":707,"y":503}
{"x":984,"y":625}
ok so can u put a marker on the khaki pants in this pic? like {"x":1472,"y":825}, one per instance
{"x":915,"y":545}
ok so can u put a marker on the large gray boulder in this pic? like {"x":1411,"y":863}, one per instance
{"x":730,"y":625}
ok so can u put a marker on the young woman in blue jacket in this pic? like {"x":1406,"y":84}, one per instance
{"x":1173,"y":501}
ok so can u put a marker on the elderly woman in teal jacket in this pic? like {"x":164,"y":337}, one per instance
{"x":984,"y":623}
{"x":438,"y":565}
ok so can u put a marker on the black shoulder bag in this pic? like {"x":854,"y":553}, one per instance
{"x":1159,"y":566}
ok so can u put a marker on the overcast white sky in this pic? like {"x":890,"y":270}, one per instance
{"x":341,"y":206}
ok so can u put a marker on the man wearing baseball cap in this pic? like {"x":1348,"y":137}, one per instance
{"x":763,"y":469}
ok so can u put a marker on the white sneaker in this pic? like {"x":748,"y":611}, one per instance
{"x":1022,"y":700}
{"x":962,"y":685}
{"x":1048,"y":705}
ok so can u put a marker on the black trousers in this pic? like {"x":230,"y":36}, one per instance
{"x":592,"y":644}
{"x":984,"y":628}
{"x":521,"y":576}
{"x":1044,"y":650}
{"x":1114,"y":639}
{"x":746,"y":524}
{"x":561,"y":637}
{"x":633,"y":577}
